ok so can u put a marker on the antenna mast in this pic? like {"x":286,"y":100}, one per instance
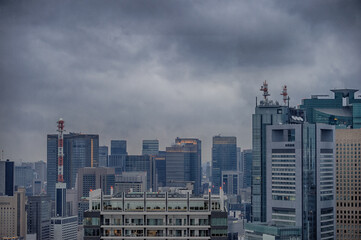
{"x":285,"y":94}
{"x":264,"y":89}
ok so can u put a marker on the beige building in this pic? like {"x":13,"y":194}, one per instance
{"x":348,"y":183}
{"x":13,"y":215}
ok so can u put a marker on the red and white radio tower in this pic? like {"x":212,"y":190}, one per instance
{"x":284,"y":94}
{"x":264,"y":89}
{"x":60,"y":150}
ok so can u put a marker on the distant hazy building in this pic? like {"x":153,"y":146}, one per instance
{"x":24,"y":176}
{"x":95,"y":178}
{"x":118,"y":155}
{"x":7,"y":178}
{"x":40,"y":170}
{"x":150,"y":147}
{"x":38,"y":216}
{"x":183,"y":163}
{"x":140,"y":163}
{"x":224,"y":158}
{"x":103,"y":156}
{"x":348,"y":178}
{"x":247,"y":167}
{"x":118,"y":147}
{"x":80,"y":150}
{"x":130,"y":182}
{"x":159,"y":170}
{"x":13,"y":216}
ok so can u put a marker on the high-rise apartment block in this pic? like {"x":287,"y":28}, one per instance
{"x":156,"y":216}
{"x":13,"y":216}
{"x":38,"y":216}
{"x":224,"y":158}
{"x":80,"y":150}
{"x":7,"y":178}
{"x":150,"y":147}
{"x":183,"y":163}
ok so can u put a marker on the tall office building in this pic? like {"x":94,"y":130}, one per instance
{"x":247,"y":167}
{"x":348,"y":180}
{"x":103,"y":156}
{"x":95,"y":178}
{"x":343,"y":111}
{"x":118,"y":155}
{"x":150,"y":147}
{"x":38,"y":216}
{"x":266,"y":113}
{"x":64,"y":228}
{"x":24,"y":176}
{"x":140,"y":163}
{"x":301,"y":178}
{"x":224,"y":158}
{"x":80,"y":150}
{"x":7,"y":178}
{"x":13,"y":216}
{"x":183,"y":163}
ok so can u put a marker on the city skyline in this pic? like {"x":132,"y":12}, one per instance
{"x":161,"y":70}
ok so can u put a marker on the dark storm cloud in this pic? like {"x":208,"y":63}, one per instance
{"x":161,"y":69}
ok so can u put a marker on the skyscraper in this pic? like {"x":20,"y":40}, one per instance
{"x":38,"y":216}
{"x":183,"y":163}
{"x":140,"y":163}
{"x":343,"y":111}
{"x":348,"y":180}
{"x":7,"y":178}
{"x":301,"y":178}
{"x":150,"y":147}
{"x":118,"y":154}
{"x":103,"y":156}
{"x":247,"y":167}
{"x":224,"y":158}
{"x":266,"y":113}
{"x":80,"y":150}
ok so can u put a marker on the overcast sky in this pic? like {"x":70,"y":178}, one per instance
{"x":160,"y":69}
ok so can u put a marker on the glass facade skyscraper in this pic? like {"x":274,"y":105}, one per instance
{"x":183,"y":163}
{"x":80,"y":150}
{"x":224,"y":158}
{"x":150,"y":147}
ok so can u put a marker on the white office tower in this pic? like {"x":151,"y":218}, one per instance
{"x":300,"y":172}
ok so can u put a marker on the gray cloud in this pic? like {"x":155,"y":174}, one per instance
{"x":161,"y":69}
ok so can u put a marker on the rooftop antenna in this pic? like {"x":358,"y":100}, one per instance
{"x":264,"y":89}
